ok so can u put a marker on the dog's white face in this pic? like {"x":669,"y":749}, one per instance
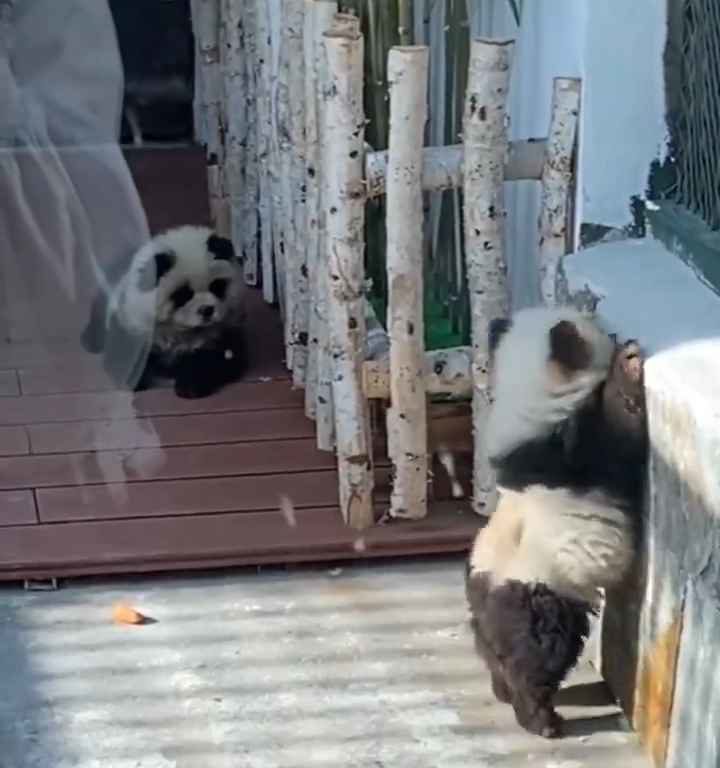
{"x":186,"y":278}
{"x":537,"y":384}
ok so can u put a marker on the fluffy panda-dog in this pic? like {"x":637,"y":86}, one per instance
{"x":566,"y":435}
{"x":182,"y":297}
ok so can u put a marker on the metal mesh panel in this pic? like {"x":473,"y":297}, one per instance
{"x":694,"y":105}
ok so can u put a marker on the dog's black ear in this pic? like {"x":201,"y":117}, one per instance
{"x":496,"y":330}
{"x":155,"y":269}
{"x":221,"y":248}
{"x":93,"y":337}
{"x":568,"y":347}
{"x":164,"y":262}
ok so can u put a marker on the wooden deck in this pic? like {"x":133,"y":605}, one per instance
{"x":95,"y":480}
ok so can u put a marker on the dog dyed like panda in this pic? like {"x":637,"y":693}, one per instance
{"x":566,"y":436}
{"x":181,"y":297}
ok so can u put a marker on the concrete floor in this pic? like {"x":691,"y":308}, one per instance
{"x":370,"y":666}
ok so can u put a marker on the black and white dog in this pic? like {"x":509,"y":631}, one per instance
{"x":567,"y":437}
{"x":181,"y":296}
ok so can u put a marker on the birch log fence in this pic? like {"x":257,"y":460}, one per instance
{"x":279,"y":109}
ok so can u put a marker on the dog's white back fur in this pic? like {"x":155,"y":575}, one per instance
{"x":151,"y":311}
{"x":573,"y":543}
{"x":531,"y":397}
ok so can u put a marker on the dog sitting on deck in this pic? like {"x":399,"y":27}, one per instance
{"x":182,"y":296}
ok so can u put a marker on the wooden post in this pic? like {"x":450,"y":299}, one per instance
{"x":318,"y":17}
{"x":252,"y":181}
{"x":325,"y":411}
{"x":486,"y":145}
{"x":555,"y":187}
{"x":206,"y":24}
{"x":280,"y":163}
{"x":443,"y":166}
{"x":297,"y":272}
{"x":263,"y":67}
{"x":233,"y":61}
{"x":407,"y":415}
{"x":344,"y":206}
{"x":199,"y":116}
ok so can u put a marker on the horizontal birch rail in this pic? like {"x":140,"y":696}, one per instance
{"x":443,"y":166}
{"x":447,"y":372}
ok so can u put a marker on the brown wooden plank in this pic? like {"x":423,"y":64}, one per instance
{"x":170,"y":431}
{"x":17,"y":508}
{"x":49,"y":379}
{"x":9,"y":386}
{"x":243,"y":396}
{"x":187,"y":497}
{"x":170,"y":543}
{"x":162,"y":464}
{"x":13,"y":441}
{"x":29,"y":353}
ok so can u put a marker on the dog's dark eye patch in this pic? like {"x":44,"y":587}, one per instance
{"x":180,"y":296}
{"x":219,"y":288}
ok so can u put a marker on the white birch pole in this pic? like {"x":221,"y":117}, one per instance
{"x":407,"y":415}
{"x":223,"y":216}
{"x":318,"y":18}
{"x":486,"y":145}
{"x":344,"y":205}
{"x":233,"y":60}
{"x":279,"y":150}
{"x":199,"y":116}
{"x":206,"y":23}
{"x":342,"y":23}
{"x":555,"y":186}
{"x":252,"y":181}
{"x":263,"y":64}
{"x":293,"y":177}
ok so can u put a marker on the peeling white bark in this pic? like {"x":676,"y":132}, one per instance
{"x":199,"y":118}
{"x":447,"y":372}
{"x":556,"y":184}
{"x":206,"y":25}
{"x":342,"y":23}
{"x":407,"y":415}
{"x":252,"y":181}
{"x":486,"y":144}
{"x":318,"y":18}
{"x":297,"y":274}
{"x":443,"y":166}
{"x":344,"y":205}
{"x":233,"y":67}
{"x":280,"y":167}
{"x":263,"y":73}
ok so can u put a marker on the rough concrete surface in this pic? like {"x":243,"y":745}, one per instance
{"x":368,"y":665}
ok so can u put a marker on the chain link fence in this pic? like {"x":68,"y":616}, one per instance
{"x":692,"y":75}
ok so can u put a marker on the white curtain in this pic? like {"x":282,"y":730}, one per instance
{"x":68,"y":205}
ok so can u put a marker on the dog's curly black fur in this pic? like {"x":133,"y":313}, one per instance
{"x":530,"y":638}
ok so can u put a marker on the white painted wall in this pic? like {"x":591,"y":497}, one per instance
{"x":616,"y":48}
